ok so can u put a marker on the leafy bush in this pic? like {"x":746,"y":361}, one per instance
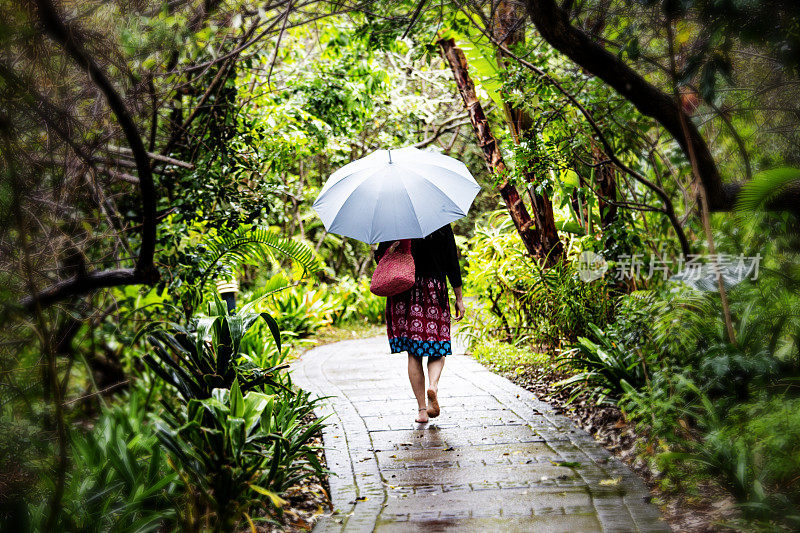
{"x":608,"y":366}
{"x":518,"y":300}
{"x":504,"y":357}
{"x":730,"y":372}
{"x":222,"y":252}
{"x":239,"y":432}
{"x":754,"y":449}
{"x":358,"y":302}
{"x":120,"y":481}
{"x":208,"y":357}
{"x":231,"y":449}
{"x":771,"y":429}
{"x":301,"y":310}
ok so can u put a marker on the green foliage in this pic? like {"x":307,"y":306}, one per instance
{"x":224,"y":253}
{"x":519,"y":300}
{"x":615,"y":361}
{"x":120,"y":480}
{"x":727,"y":407}
{"x":302,"y":310}
{"x":254,"y":246}
{"x":764,"y":186}
{"x":22,"y":444}
{"x":608,"y":365}
{"x":232,"y":449}
{"x":504,"y":357}
{"x":770,"y":428}
{"x":753,"y":448}
{"x":208,"y":356}
{"x":231,"y":441}
{"x":355,"y":302}
{"x":731,"y":372}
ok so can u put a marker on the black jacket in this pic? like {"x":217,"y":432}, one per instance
{"x":434,"y":256}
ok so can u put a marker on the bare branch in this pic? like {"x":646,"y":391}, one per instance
{"x":121,"y":150}
{"x":58,"y":31}
{"x":554,"y":25}
{"x":84,"y":284}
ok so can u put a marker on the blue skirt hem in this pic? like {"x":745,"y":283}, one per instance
{"x":420,"y":348}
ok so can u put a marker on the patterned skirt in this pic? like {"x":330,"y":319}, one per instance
{"x":418,"y":320}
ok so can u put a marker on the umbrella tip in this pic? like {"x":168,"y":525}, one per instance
{"x":390,"y":156}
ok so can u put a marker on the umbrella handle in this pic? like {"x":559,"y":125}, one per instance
{"x":404,"y":243}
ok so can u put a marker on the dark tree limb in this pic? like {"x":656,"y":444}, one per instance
{"x":413,"y":18}
{"x":554,"y":25}
{"x":83,"y":284}
{"x":54,"y":26}
{"x":450,"y":124}
{"x":278,"y":42}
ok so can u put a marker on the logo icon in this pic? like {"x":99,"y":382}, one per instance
{"x":591,"y":266}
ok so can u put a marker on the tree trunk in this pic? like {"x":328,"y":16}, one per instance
{"x":508,"y":28}
{"x":491,"y":151}
{"x":606,"y":187}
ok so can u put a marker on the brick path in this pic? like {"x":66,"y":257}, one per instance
{"x":496,"y":459}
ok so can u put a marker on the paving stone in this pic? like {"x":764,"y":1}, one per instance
{"x":544,"y":524}
{"x":493,"y":461}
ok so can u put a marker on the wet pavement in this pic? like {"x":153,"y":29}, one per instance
{"x":496,"y":459}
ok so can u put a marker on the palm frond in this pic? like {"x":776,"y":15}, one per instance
{"x":254,"y":245}
{"x":764,"y":186}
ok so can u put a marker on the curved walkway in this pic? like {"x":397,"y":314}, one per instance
{"x":496,"y":459}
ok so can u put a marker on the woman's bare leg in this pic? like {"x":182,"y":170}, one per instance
{"x":435,"y":366}
{"x":417,"y":378}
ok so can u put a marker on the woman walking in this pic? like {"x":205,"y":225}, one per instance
{"x":418,"y":320}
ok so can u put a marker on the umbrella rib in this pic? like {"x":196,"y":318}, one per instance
{"x":432,"y":184}
{"x":341,"y":208}
{"x":413,"y":207}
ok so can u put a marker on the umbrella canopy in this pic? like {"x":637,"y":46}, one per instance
{"x":396,"y":194}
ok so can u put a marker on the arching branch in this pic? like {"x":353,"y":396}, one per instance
{"x":554,"y":25}
{"x":58,"y":31}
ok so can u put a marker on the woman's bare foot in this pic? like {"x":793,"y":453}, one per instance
{"x":423,"y":417}
{"x":433,"y":403}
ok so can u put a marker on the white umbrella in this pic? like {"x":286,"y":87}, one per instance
{"x":396,"y":194}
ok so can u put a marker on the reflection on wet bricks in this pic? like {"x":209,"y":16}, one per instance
{"x":497,"y":459}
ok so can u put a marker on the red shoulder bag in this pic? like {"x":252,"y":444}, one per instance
{"x":395,"y":272}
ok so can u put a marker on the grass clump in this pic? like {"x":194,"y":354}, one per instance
{"x":503,"y":357}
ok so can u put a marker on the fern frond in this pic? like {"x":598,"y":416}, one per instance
{"x":254,"y":245}
{"x":274,"y":285}
{"x":764,"y":186}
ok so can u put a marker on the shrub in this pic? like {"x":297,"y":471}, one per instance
{"x":231,"y":449}
{"x":120,"y":480}
{"x":238,"y":431}
{"x":518,"y":300}
{"x":608,"y":365}
{"x":208,"y":356}
{"x":504,"y":357}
